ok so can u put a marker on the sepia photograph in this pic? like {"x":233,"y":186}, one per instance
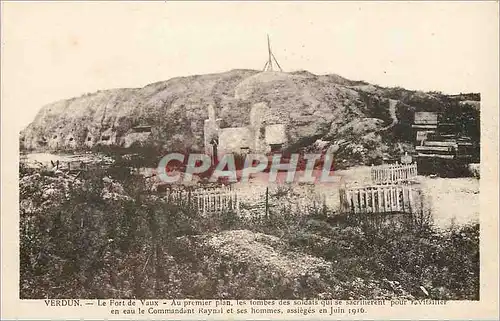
{"x":248,"y":151}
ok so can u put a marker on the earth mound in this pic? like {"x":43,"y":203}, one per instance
{"x":362,"y":122}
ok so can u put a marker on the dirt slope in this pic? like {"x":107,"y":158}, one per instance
{"x":257,"y":265}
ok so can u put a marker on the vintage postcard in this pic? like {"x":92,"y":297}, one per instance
{"x":249,"y":160}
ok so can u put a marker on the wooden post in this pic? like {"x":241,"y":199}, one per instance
{"x":352,"y":204}
{"x":410,"y":199}
{"x":341,"y":200}
{"x":356,"y":201}
{"x":372,"y":200}
{"x":391,"y":193}
{"x":403,"y":199}
{"x":360,"y":193}
{"x":387,"y":200}
{"x":394,"y":198}
{"x":383,"y":198}
{"x":363,"y":200}
{"x":379,"y":200}
{"x":365,"y":192}
{"x":324,"y":205}
{"x":348,"y":200}
{"x":205,"y":202}
{"x":362,"y":206}
{"x":267,"y":202}
{"x":397,"y":199}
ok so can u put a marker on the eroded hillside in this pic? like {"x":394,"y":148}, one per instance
{"x":359,"y":122}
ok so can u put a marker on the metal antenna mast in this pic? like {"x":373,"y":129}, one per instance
{"x":269,"y":64}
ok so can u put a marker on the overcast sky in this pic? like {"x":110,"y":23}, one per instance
{"x":52,"y":51}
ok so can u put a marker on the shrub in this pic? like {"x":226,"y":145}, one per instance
{"x":74,"y":242}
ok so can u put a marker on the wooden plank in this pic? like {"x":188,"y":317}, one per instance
{"x":388,"y":195}
{"x":354,"y":203}
{"x":438,"y":143}
{"x":398,"y":190}
{"x":358,"y":202}
{"x":373,"y":210}
{"x":362,"y":199}
{"x":410,"y":199}
{"x":403,"y":189}
{"x":367,"y":199}
{"x":346,"y":198}
{"x":405,"y":197}
{"x":351,"y":201}
{"x":436,"y":156}
{"x":391,"y":200}
{"x":342,"y":200}
{"x":379,"y":198}
{"x":384,"y":200}
{"x":433,"y":148}
{"x":237,"y":202}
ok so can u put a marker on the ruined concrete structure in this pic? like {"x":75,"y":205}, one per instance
{"x":260,"y":136}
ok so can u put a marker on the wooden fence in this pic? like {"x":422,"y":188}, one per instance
{"x":206,"y":200}
{"x":272,"y":202}
{"x":263,"y":203}
{"x":389,"y":174}
{"x":379,"y":199}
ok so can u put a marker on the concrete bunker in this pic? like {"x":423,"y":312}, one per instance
{"x":257,"y":137}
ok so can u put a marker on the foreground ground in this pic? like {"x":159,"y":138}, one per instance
{"x":101,"y":236}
